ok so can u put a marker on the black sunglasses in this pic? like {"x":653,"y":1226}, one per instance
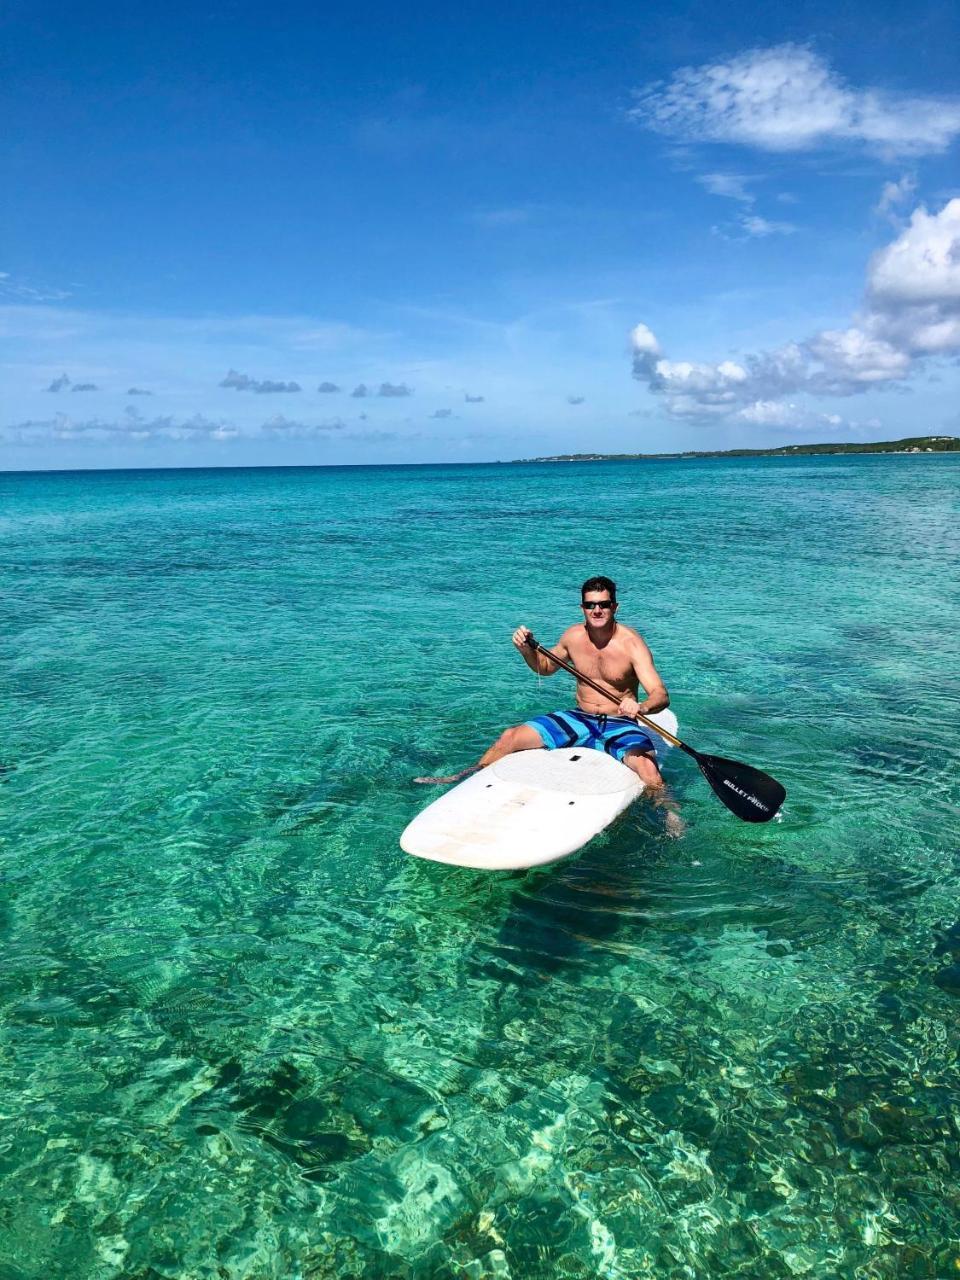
{"x":597,"y":604}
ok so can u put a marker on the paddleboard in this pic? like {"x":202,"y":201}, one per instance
{"x":528,"y":809}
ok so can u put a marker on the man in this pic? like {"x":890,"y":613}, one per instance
{"x":613,"y":655}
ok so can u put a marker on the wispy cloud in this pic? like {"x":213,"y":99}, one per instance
{"x":18,"y":290}
{"x":895,"y":194}
{"x":138,"y":391}
{"x":731,"y":186}
{"x":788,"y":98}
{"x":280,"y":427}
{"x":131,"y":427}
{"x":575,"y":399}
{"x":59,"y":384}
{"x":442,"y":413}
{"x":911,"y":312}
{"x":757,"y":227}
{"x":84,"y":386}
{"x":469,"y":399}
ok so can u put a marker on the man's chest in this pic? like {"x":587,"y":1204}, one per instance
{"x":610,"y":665}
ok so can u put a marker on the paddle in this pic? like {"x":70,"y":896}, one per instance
{"x":749,"y":793}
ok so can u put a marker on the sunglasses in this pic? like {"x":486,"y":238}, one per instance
{"x":590,"y":605}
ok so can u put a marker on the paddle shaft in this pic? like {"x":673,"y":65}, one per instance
{"x":651,"y":724}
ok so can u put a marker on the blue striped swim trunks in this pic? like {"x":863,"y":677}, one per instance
{"x":612,"y":734}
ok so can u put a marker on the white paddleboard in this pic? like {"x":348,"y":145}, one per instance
{"x":529,"y":808}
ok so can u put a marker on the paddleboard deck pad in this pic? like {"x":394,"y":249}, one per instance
{"x":530,"y":808}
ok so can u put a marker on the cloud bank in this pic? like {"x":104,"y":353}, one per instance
{"x":911,"y":312}
{"x":788,"y":98}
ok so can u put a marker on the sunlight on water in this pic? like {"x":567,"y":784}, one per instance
{"x":243,"y":1036}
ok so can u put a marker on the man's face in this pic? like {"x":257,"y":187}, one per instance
{"x":598,"y":608}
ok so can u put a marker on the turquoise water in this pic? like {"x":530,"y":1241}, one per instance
{"x":243,"y":1036}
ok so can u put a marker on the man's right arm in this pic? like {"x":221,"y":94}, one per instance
{"x":535,"y":660}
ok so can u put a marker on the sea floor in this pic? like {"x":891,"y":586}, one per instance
{"x":243,"y":1036}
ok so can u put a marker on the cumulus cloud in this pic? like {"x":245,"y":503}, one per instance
{"x":328,"y":387}
{"x":84,"y":386}
{"x":360,"y":391}
{"x":473,"y":399}
{"x":242,"y":382}
{"x":911,"y":311}
{"x":394,"y":389}
{"x":788,"y":98}
{"x":59,"y":384}
{"x":138,"y":391}
{"x":575,"y":399}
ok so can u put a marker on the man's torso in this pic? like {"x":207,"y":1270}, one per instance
{"x":611,"y":666}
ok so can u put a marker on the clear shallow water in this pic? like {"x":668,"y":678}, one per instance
{"x":241,"y":1035}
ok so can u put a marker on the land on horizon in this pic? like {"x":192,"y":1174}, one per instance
{"x":911,"y":444}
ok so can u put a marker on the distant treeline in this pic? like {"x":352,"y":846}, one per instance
{"x":912,"y":444}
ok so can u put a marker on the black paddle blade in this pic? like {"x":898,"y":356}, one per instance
{"x":749,"y":793}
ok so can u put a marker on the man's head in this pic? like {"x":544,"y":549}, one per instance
{"x":598,"y":599}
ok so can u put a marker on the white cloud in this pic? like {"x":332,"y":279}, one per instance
{"x":913,"y":284}
{"x":732,"y":186}
{"x":788,"y":98}
{"x":895,"y":193}
{"x":923,"y":264}
{"x":912,"y":310}
{"x":756,"y":227}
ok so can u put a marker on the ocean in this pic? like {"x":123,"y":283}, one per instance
{"x":243,"y":1036}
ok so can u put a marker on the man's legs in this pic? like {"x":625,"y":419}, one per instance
{"x":519,"y":737}
{"x":645,"y":767}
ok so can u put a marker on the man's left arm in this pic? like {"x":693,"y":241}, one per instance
{"x":648,"y":677}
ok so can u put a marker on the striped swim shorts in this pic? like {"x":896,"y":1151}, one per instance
{"x":612,"y":734}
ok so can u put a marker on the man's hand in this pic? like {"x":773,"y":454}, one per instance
{"x":521,"y":637}
{"x":629,"y":707}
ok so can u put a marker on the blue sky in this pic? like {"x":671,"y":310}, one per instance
{"x":495,"y":232}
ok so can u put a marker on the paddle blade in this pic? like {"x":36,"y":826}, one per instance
{"x":749,"y":793}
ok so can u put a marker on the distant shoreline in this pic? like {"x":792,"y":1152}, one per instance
{"x":912,"y":444}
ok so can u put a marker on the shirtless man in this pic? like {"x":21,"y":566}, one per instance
{"x":614,"y":655}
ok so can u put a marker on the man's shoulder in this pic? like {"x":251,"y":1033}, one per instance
{"x":628,"y":635}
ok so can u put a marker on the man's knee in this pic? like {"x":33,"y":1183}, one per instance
{"x":645,"y":767}
{"x":519,"y":737}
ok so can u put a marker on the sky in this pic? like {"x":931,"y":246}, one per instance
{"x":240,"y":234}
